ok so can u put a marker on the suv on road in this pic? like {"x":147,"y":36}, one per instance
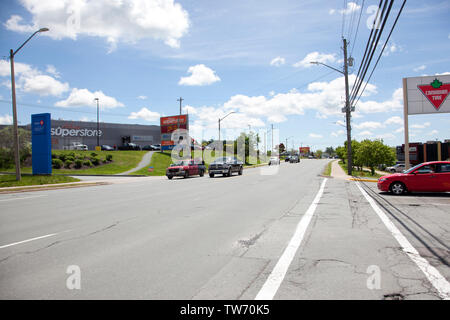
{"x":186,"y":168}
{"x":226,"y":166}
{"x":294,"y":159}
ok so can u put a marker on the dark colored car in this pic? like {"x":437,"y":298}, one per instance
{"x":425,"y":177}
{"x":185,"y":169}
{"x":287,"y":158}
{"x":107,"y":148}
{"x":130,"y":146}
{"x":148,"y":148}
{"x":294,"y":159}
{"x":226,"y":166}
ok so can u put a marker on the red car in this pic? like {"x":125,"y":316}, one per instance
{"x":425,"y":177}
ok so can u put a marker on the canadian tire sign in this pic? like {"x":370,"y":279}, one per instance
{"x":436,"y":92}
{"x":428,"y":94}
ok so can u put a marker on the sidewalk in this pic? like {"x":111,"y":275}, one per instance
{"x":338,"y":173}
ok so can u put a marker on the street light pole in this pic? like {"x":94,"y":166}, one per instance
{"x":222,"y":119}
{"x":12,"y":53}
{"x":98,"y":126}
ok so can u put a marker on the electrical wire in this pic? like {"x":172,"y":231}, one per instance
{"x":382,"y":50}
{"x":357,"y":28}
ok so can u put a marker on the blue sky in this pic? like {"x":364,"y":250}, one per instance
{"x":250,"y":57}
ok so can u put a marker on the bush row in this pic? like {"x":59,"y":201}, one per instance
{"x":77,"y":161}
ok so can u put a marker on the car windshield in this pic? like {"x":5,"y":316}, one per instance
{"x":412,"y":169}
{"x":222,"y":160}
{"x":180,"y":163}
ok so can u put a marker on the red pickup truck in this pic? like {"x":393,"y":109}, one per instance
{"x":186,"y":168}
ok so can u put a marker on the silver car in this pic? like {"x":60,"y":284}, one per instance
{"x":399,"y":167}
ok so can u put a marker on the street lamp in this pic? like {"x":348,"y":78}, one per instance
{"x":98,"y":126}
{"x":286,"y":146}
{"x":12,"y":53}
{"x":222,"y":119}
{"x":347,"y":108}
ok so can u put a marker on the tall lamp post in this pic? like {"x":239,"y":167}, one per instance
{"x":12,"y":53}
{"x":98,"y":125}
{"x":347,"y":108}
{"x":220,"y":119}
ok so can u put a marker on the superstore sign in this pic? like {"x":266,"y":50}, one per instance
{"x":75,"y":132}
{"x":169,"y":125}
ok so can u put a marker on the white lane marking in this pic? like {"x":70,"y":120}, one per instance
{"x":274,"y":280}
{"x":432,"y":274}
{"x":37,"y":238}
{"x":9,"y":199}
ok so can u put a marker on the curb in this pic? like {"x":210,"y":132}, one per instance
{"x":364,"y":180}
{"x":49,"y":187}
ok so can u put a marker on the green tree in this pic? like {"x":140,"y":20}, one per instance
{"x":319,"y":153}
{"x":7,"y":146}
{"x":373,"y":153}
{"x":341,"y":153}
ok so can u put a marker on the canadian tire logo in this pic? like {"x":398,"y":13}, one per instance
{"x":436,"y":92}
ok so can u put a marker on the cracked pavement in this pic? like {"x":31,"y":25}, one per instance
{"x":202,"y":238}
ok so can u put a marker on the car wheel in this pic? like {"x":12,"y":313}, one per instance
{"x":170,"y":177}
{"x":397,"y":188}
{"x":240,"y":171}
{"x":229,"y":172}
{"x":186,"y":174}
{"x":211,"y":175}
{"x":202,"y":173}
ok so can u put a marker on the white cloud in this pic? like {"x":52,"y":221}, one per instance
{"x":385,"y":136}
{"x":83,"y":97}
{"x":394,"y":120}
{"x":332,"y":11}
{"x":420,"y":68}
{"x":338,"y":133}
{"x":365,"y":133}
{"x":142,"y":97}
{"x":368,"y":125}
{"x":278,"y":61}
{"x":44,"y":85}
{"x":115,"y":21}
{"x":395,"y":103}
{"x":420,"y":126}
{"x":433,"y":132}
{"x":315,"y":56}
{"x":315,"y":135}
{"x":145,"y":114}
{"x":200,"y":75}
{"x":351,"y":7}
{"x":6,"y":119}
{"x":400,"y":130}
{"x":52,"y":70}
{"x":31,"y":80}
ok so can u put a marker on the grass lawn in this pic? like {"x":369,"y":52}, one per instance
{"x":364,"y":173}
{"x":123,"y":160}
{"x":9,"y":180}
{"x":327,"y":170}
{"x":160,"y":161}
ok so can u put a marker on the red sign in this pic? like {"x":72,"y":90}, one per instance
{"x":304,"y":150}
{"x":42,"y":122}
{"x":436,"y":92}
{"x":173,"y":120}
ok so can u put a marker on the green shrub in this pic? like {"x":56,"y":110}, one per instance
{"x":54,"y":155}
{"x":109,"y":157}
{"x":95,"y":161}
{"x":71,"y":154}
{"x":62,"y":157}
{"x":68,"y":163}
{"x":93,"y":154}
{"x":87,"y":163}
{"x":78,"y":163}
{"x":57,"y":163}
{"x":105,"y":160}
{"x":70,"y":158}
{"x":6,"y":159}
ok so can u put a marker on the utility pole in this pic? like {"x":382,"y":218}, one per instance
{"x":347,"y":113}
{"x":181,"y":101}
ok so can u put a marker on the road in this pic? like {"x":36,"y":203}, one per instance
{"x":289,"y":235}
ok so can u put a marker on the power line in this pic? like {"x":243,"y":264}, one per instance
{"x":374,"y":47}
{"x":357,"y":28}
{"x":382,"y":50}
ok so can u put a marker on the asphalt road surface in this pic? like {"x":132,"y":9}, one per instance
{"x":289,"y":235}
